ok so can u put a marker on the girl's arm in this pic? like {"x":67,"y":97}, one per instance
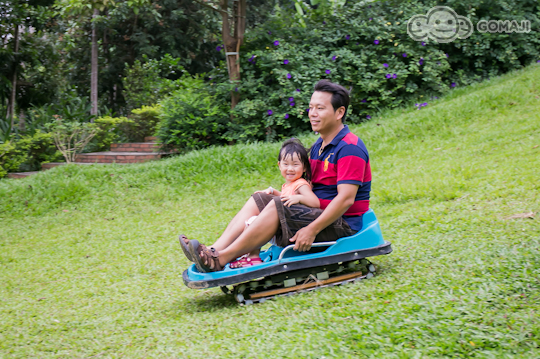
{"x":305,"y":196}
{"x":271,"y":191}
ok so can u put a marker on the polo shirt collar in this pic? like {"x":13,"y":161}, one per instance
{"x":344,"y":131}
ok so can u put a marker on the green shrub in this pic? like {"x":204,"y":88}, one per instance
{"x":193,"y":119}
{"x":149,"y":81}
{"x":109,"y":130}
{"x":27,"y":153}
{"x":141,"y":123}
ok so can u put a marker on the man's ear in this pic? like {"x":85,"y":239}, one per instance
{"x":340,"y":112}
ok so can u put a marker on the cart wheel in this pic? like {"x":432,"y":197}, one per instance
{"x":248,"y":302}
{"x":372,"y":268}
{"x":239,"y":297}
{"x":369,"y":275}
{"x":225,"y":290}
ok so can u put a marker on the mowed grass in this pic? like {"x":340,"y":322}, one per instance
{"x":90,"y":265}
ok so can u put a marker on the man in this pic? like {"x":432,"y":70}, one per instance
{"x":341,"y":178}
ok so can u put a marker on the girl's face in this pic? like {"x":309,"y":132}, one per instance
{"x":291,"y":167}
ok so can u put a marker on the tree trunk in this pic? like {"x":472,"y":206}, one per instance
{"x":94,"y":71}
{"x":11,"y":107}
{"x":233,"y":42}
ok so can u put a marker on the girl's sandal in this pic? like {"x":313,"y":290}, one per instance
{"x":184,"y":242}
{"x":245,"y":261}
{"x":206,"y":259}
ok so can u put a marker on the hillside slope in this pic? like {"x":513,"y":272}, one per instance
{"x":91,"y":267}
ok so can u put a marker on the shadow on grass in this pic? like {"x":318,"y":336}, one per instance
{"x":208,"y":300}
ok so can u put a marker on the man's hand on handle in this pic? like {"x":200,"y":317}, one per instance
{"x":303,"y":239}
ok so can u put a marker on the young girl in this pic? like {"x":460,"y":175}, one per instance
{"x":293,"y":162}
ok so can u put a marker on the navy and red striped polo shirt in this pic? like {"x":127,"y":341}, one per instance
{"x":344,"y":160}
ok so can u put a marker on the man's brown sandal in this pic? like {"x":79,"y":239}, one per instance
{"x":184,"y":241}
{"x":206,"y":259}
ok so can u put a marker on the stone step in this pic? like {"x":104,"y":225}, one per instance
{"x":150,"y":139}
{"x":21,"y":174}
{"x":135,"y":147}
{"x":118,"y":157}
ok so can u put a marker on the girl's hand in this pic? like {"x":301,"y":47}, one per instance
{"x":290,"y":200}
{"x":269,"y":190}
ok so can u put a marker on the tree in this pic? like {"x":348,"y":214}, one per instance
{"x":86,"y":9}
{"x":233,"y":20}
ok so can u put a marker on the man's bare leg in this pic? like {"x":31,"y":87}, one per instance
{"x":236,"y":225}
{"x":255,"y":236}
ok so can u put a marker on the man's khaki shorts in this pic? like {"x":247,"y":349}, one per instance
{"x":298,"y":216}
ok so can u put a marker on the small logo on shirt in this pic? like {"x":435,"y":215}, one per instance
{"x":326,"y":162}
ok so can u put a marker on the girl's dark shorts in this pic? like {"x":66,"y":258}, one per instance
{"x":298,"y":216}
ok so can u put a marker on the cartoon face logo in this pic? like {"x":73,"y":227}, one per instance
{"x":418,"y":28}
{"x":440,"y":24}
{"x":465,"y":27}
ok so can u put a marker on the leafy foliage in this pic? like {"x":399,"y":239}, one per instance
{"x":70,"y":137}
{"x":149,"y":81}
{"x":108,"y":131}
{"x":27,"y":153}
{"x":191,"y":118}
{"x":365,"y":47}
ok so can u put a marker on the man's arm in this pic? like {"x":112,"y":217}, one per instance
{"x":305,"y":237}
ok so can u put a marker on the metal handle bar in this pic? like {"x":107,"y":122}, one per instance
{"x":319,"y":244}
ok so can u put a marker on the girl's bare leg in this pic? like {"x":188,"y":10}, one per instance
{"x":254,"y":237}
{"x":237,"y":225}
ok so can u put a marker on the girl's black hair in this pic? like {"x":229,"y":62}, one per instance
{"x":291,"y":147}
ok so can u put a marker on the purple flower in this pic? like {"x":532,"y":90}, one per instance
{"x":453,"y":84}
{"x":276,"y":43}
{"x":359,"y":44}
{"x":388,"y":76}
{"x":417,"y":104}
{"x":328,"y":72}
{"x":348,"y":37}
{"x":286,"y":115}
{"x":368,"y":117}
{"x":424,"y":104}
{"x":447,"y":55}
{"x":385,"y":65}
{"x":285,"y":62}
{"x":270,"y":112}
{"x":291,"y":99}
{"x":289,"y":76}
{"x":421,"y":62}
{"x":252,"y":59}
{"x":364,"y":100}
{"x":298,"y":90}
{"x":370,"y":18}
{"x":334,"y":58}
{"x":376,"y":42}
{"x":218,"y":48}
{"x":438,"y":63}
{"x":292,"y":103}
{"x":324,"y":22}
{"x":236,"y":89}
{"x":394,"y":76}
{"x":423,"y":43}
{"x":404,"y":55}
{"x":307,"y":110}
{"x":538,"y":61}
{"x":269,"y":32}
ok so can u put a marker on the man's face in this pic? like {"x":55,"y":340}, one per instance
{"x":322,"y":116}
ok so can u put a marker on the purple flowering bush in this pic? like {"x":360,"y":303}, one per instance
{"x":365,"y":48}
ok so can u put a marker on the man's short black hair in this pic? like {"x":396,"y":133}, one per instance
{"x":340,"y":95}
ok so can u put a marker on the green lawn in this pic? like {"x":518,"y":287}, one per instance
{"x":90,"y":265}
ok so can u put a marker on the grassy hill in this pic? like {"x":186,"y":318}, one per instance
{"x":90,"y":265}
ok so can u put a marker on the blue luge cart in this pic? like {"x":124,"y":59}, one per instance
{"x":285,"y":271}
